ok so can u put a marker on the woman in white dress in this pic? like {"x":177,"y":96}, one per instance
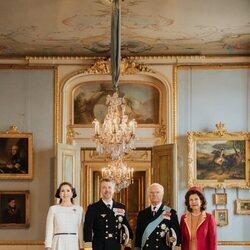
{"x":64,"y":221}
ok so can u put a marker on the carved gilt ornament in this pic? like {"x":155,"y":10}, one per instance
{"x":128,"y":67}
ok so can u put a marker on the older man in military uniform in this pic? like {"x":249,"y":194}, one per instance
{"x":158,"y":225}
{"x":106,"y":224}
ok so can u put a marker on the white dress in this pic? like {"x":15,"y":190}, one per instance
{"x":63,"y":227}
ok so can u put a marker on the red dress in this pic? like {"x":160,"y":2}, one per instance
{"x":206,"y":235}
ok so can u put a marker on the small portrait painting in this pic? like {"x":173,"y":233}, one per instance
{"x":16,"y":159}
{"x":14,"y":208}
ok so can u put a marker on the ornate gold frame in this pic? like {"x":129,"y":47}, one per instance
{"x":219,"y":135}
{"x":11,"y":137}
{"x":122,"y":83}
{"x":221,"y":217}
{"x":220,"y":199}
{"x":239,"y":209}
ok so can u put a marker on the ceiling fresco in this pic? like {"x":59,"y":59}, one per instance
{"x":159,"y":27}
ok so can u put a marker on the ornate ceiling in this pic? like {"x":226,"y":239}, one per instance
{"x":149,"y":27}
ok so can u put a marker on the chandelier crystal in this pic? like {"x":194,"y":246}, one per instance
{"x":116,"y":136}
{"x":120,"y":173}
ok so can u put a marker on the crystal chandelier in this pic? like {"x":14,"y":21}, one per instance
{"x":116,"y":137}
{"x":120,"y":173}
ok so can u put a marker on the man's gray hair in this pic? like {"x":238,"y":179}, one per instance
{"x":156,"y":185}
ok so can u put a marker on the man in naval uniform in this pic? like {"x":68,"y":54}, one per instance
{"x":106,"y":225}
{"x":158,"y":225}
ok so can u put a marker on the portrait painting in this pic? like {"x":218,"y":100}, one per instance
{"x":16,"y":156}
{"x":242,"y":206}
{"x":89,"y":102}
{"x":14,"y":209}
{"x":219,"y":161}
{"x":221,"y":217}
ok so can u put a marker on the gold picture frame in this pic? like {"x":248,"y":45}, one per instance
{"x":221,"y":217}
{"x":220,"y":199}
{"x":219,"y":159}
{"x":16,"y":155}
{"x":242,"y":206}
{"x":14,"y":209}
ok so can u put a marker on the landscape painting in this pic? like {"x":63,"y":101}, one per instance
{"x":220,"y":159}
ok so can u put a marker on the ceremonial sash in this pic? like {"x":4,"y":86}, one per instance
{"x":152,"y":225}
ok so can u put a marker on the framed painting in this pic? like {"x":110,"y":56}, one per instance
{"x":242,"y":206}
{"x":16,"y":155}
{"x":218,"y":159}
{"x":89,"y":102}
{"x":221,"y":217}
{"x":14,"y":209}
{"x":220,"y":199}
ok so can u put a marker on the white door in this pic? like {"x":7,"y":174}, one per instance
{"x":69,"y":167}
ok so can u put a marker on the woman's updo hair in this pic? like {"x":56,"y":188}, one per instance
{"x":199,"y":192}
{"x":57,"y":195}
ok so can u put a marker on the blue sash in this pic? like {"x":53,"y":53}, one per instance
{"x":152,"y":225}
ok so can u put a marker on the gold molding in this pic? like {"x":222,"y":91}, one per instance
{"x":234,"y":243}
{"x":174,"y":106}
{"x":136,"y":57}
{"x":62,"y":57}
{"x":56,"y":107}
{"x":161,"y":132}
{"x":174,"y":57}
{"x":71,"y":133}
{"x":13,"y":129}
{"x":209,"y":66}
{"x":128,"y":67}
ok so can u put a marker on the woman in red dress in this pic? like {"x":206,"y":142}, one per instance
{"x":198,"y":228}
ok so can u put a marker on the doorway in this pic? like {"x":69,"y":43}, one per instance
{"x":150,"y":165}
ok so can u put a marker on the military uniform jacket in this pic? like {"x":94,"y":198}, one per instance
{"x":103,"y":226}
{"x":157,"y":239}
